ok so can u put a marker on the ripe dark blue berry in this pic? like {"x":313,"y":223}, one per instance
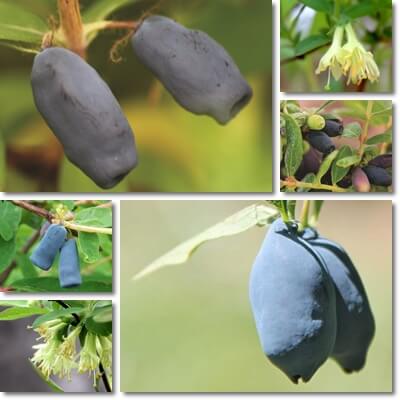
{"x":83,"y":113}
{"x":320,"y":141}
{"x":378,"y":176}
{"x":355,"y":322}
{"x":195,"y":69}
{"x":45,"y":253}
{"x":333,"y":127}
{"x":293,"y":303}
{"x":69,"y":267}
{"x":310,"y":164}
{"x":382,"y":161}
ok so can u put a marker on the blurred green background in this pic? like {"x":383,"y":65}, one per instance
{"x":189,"y":328}
{"x":178,"y":151}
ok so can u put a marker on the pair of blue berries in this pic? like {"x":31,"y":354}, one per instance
{"x":309,"y":303}
{"x":55,"y":240}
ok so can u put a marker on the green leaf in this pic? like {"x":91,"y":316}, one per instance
{"x":346,"y":162}
{"x":14,"y":303}
{"x":25,"y":265}
{"x":325,"y":6}
{"x":287,"y":53}
{"x":19,"y":25}
{"x":51,"y":284}
{"x":20,"y":312}
{"x":49,"y":316}
{"x":310,"y":43}
{"x":94,"y":216}
{"x":7,"y":252}
{"x":52,"y":385}
{"x":100,"y":327}
{"x":254,"y":215}
{"x":381,"y":138}
{"x":338,"y":173}
{"x":89,"y":246}
{"x":10,"y":217}
{"x":101,"y":9}
{"x":360,"y":10}
{"x":294,"y":145}
{"x":326,"y":164}
{"x":352,"y":130}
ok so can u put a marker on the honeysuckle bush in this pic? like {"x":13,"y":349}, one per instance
{"x":336,"y":45}
{"x":340,"y":146}
{"x":73,"y":336}
{"x":22,"y":226}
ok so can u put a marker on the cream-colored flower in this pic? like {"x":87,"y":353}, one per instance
{"x":49,"y":329}
{"x":104,"y":349}
{"x":331,"y":59}
{"x":89,"y":359}
{"x":357,"y":62}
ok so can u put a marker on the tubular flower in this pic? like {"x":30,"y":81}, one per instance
{"x":89,"y":359}
{"x":104,"y":349}
{"x":357,"y":62}
{"x":50,"y":329}
{"x":68,"y":347}
{"x":331,"y":59}
{"x":46,"y":355}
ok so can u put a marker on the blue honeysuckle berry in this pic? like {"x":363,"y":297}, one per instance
{"x":197,"y":71}
{"x":293,"y":303}
{"x":83,"y":113}
{"x":355,"y":321}
{"x":45,"y":253}
{"x":69,"y":266}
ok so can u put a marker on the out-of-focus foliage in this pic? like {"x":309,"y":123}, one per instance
{"x":178,"y":151}
{"x":306,"y":32}
{"x":189,"y":328}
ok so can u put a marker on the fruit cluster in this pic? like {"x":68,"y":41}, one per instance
{"x":309,"y":303}
{"x":55,"y":241}
{"x":83,"y":113}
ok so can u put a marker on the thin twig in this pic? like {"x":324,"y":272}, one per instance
{"x":85,"y":228}
{"x":34,"y":209}
{"x":25,"y":248}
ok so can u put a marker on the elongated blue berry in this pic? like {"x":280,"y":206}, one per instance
{"x":69,"y":267}
{"x":194,"y":68}
{"x":45,"y":253}
{"x":85,"y":116}
{"x":293,"y":302}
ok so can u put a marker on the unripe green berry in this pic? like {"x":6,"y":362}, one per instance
{"x":316,"y":122}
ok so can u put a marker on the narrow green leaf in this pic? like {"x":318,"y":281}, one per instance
{"x":360,"y":10}
{"x":52,"y":385}
{"x":381,"y":138}
{"x":338,"y":173}
{"x":14,"y":303}
{"x":10,"y":217}
{"x":51,"y":284}
{"x":25,"y":265}
{"x":48,"y":316}
{"x":100,"y":321}
{"x":94,"y":216}
{"x":348,"y":161}
{"x":294,"y":145}
{"x":352,"y":130}
{"x":311,"y":43}
{"x":309,"y":178}
{"x":19,"y":25}
{"x":326,"y":164}
{"x":20,"y":312}
{"x":2,"y":163}
{"x":254,"y":215}
{"x":89,"y":246}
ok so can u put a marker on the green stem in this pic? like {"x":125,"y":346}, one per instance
{"x":364,"y":134}
{"x":304,"y":215}
{"x":307,"y":185}
{"x":326,"y":104}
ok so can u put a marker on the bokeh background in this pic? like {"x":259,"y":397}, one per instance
{"x":178,"y":151}
{"x":17,"y":373}
{"x":189,"y":328}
